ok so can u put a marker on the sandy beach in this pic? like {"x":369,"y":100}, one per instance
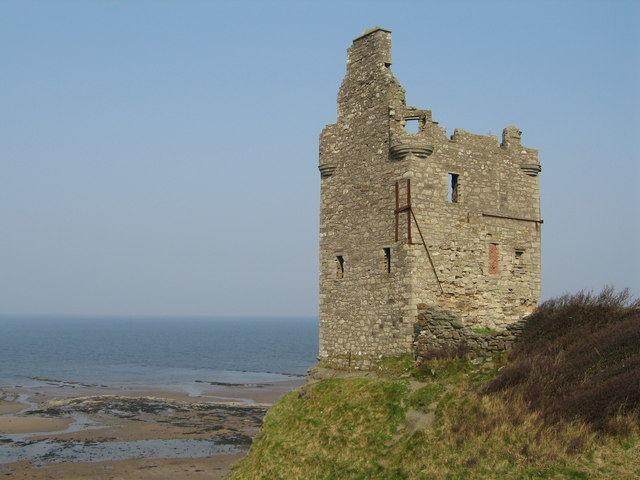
{"x":70,"y":431}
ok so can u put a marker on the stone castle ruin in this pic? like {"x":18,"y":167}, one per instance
{"x":423,"y":237}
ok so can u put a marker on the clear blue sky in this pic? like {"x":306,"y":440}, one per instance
{"x":159,"y":157}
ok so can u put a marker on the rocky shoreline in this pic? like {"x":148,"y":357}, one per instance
{"x":101,"y":432}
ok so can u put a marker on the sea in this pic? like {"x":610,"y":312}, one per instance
{"x":183,"y":354}
{"x":154,"y":351}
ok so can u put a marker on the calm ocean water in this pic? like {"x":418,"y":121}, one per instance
{"x":155,"y":351}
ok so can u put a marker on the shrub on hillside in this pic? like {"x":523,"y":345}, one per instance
{"x":460,"y":350}
{"x":579,"y":357}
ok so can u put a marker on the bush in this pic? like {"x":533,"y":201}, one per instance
{"x":579,"y":358}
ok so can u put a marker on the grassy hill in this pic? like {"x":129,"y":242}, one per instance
{"x":564,"y":404}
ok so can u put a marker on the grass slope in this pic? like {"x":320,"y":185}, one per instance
{"x":473,"y":419}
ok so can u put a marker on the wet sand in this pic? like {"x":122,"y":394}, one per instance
{"x":15,"y":424}
{"x":211,"y":468}
{"x":99,"y":432}
{"x":7,"y":406}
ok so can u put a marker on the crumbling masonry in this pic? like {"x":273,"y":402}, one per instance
{"x":419,"y":220}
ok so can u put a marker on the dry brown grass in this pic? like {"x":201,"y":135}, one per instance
{"x":579,"y":358}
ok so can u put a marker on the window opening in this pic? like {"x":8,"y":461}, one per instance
{"x":494,"y":265}
{"x":453,"y":188}
{"x":518,"y":261}
{"x":387,"y":259}
{"x":339,"y":266}
{"x":412,"y":125}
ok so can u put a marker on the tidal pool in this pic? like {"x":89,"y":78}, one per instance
{"x":54,"y":451}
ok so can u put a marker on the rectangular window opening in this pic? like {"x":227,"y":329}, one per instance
{"x":453,"y":188}
{"x":412,"y":125}
{"x":387,"y":259}
{"x":519,"y":261}
{"x":339,"y":266}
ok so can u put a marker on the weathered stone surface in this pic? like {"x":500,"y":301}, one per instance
{"x":474,"y":201}
{"x":438,"y":334}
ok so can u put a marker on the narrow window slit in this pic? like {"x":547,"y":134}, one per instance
{"x":387,"y":259}
{"x":339,"y":266}
{"x":453,"y":188}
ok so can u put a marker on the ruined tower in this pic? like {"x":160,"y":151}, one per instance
{"x":410,"y":219}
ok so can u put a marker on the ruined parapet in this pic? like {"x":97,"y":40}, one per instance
{"x":409,"y":145}
{"x":404,"y":144}
{"x":512,"y":138}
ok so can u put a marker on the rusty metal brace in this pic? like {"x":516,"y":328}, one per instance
{"x":426,"y":249}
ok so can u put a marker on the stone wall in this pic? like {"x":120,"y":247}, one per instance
{"x":485,"y":245}
{"x":440,"y":332}
{"x":365,"y":305}
{"x":417,"y":218}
